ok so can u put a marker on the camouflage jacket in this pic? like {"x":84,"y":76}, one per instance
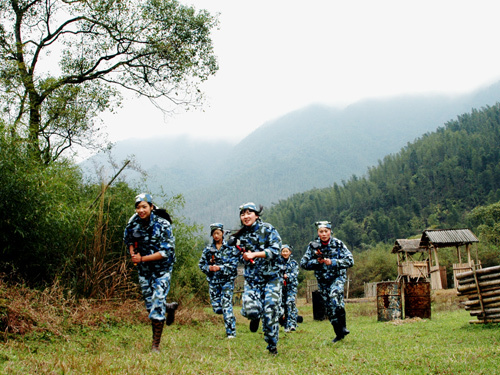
{"x":335,"y":250}
{"x":154,"y":236}
{"x":290,"y":268}
{"x":226,"y":258}
{"x":262,"y":237}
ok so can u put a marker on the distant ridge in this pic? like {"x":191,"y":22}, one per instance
{"x":309,"y":148}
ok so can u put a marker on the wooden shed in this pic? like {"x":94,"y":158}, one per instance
{"x":432,"y":240}
{"x":413,"y":261}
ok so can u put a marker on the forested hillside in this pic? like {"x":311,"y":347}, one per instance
{"x":313,"y":147}
{"x":431,"y":183}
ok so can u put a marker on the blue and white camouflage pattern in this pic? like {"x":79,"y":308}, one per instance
{"x":262,"y":237}
{"x":262,"y":290}
{"x":290,"y":268}
{"x":155,"y":236}
{"x":221,"y":283}
{"x":331,"y":278}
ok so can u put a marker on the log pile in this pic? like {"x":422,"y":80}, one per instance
{"x":482,"y":288}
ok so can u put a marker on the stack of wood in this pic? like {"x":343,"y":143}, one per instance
{"x":482,"y":288}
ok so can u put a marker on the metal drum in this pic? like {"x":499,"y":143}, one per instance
{"x":388,"y":301}
{"x":418,"y":300}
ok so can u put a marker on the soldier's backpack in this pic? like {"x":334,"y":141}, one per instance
{"x":161,"y":212}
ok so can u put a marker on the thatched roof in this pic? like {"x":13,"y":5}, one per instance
{"x":407,"y":246}
{"x":447,"y":237}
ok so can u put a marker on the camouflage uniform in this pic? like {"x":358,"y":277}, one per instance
{"x":331,"y":278}
{"x":221,"y":283}
{"x":154,"y":277}
{"x":290,"y":268}
{"x":262,"y":290}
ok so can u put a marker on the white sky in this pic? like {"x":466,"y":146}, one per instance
{"x":276,"y":56}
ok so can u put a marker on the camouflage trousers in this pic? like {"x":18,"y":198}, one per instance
{"x":221,"y":297}
{"x":289,"y":308}
{"x":332,"y":294}
{"x":262,"y":300}
{"x":154,"y":291}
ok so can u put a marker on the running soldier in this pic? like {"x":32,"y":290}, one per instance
{"x":330,"y":258}
{"x":219,"y":262}
{"x":150,"y":241}
{"x":289,"y":289}
{"x":260,"y":244}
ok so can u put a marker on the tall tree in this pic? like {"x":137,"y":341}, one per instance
{"x":156,"y":48}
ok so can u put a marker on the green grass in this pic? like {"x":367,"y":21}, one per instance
{"x":445,"y":344}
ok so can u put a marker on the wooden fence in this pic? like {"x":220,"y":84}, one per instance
{"x":482,"y":287}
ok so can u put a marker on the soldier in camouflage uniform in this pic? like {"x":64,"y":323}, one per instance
{"x":261,"y":247}
{"x":220,"y":263}
{"x":330,"y":258}
{"x":150,"y":241}
{"x":290,"y":269}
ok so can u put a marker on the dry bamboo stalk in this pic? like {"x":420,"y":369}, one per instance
{"x":486,"y":301}
{"x":484,"y":321}
{"x":489,"y":305}
{"x":481,"y":271}
{"x":489,"y":316}
{"x":481,"y":285}
{"x":474,"y":292}
{"x":489,"y":292}
{"x":480,"y":277}
{"x":487,"y":312}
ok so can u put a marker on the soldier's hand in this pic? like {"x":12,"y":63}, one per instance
{"x":326,"y":261}
{"x":248,"y":256}
{"x":136,"y":258}
{"x":214,"y":268}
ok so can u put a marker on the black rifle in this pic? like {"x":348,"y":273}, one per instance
{"x":233,"y":241}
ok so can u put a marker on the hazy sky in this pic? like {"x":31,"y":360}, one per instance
{"x":276,"y":56}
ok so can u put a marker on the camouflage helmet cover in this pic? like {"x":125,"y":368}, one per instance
{"x":144,"y":197}
{"x":216,"y":226}
{"x":249,"y":206}
{"x":323,"y":224}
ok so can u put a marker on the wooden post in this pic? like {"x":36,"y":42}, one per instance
{"x":467,"y":248}
{"x":438,"y":280}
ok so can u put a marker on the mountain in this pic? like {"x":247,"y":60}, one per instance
{"x":433,"y":182}
{"x":313,"y":147}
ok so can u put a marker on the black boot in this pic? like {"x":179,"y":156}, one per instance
{"x":157,"y":331}
{"x":171,"y":307}
{"x":338,"y":324}
{"x":254,"y":325}
{"x":339,"y":331}
{"x":341,"y":318}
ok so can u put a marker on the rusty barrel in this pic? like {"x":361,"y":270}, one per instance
{"x":418,"y":300}
{"x":388,"y":301}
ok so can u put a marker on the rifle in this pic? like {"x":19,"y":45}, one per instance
{"x":135,"y":251}
{"x":233,"y":241}
{"x":212,"y":259}
{"x":317,"y":248}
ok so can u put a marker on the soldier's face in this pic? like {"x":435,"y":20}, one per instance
{"x":324,"y":234}
{"x":248,"y":217}
{"x":143,"y":209}
{"x":217,"y":235}
{"x":285,"y":252}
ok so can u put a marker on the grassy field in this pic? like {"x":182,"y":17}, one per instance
{"x":445,"y":344}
